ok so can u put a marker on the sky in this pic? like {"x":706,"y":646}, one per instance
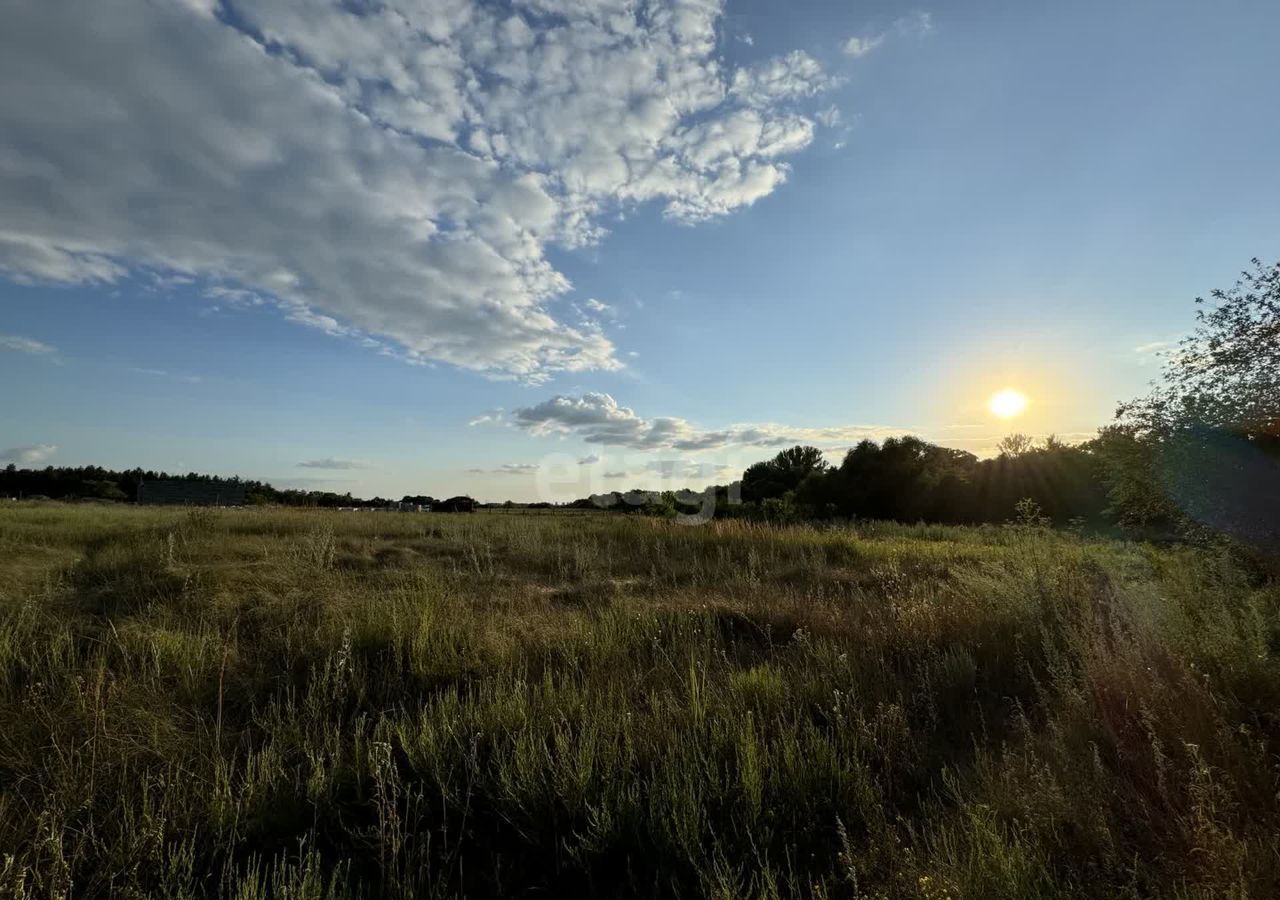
{"x":541,"y":248}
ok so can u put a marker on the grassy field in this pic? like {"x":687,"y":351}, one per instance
{"x":305,"y":704}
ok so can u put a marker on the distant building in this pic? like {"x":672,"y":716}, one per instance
{"x":184,"y":492}
{"x":456,"y":504}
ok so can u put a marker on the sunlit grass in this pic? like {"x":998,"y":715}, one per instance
{"x":309,"y":704}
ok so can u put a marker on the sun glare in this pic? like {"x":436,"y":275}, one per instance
{"x":1007,"y":403}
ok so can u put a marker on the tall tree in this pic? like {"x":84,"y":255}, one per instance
{"x":783,"y":473}
{"x":1207,"y":436}
{"x":1016,"y":444}
{"x":1226,"y":375}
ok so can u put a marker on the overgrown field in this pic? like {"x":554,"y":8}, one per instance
{"x":306,"y":704}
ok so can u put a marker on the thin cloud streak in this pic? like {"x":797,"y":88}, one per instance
{"x":337,"y":463}
{"x":19,"y":344}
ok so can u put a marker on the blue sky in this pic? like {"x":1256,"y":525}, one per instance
{"x":538,"y":248}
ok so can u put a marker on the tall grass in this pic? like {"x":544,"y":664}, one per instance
{"x":303,"y":704}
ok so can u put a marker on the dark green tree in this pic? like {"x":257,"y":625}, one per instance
{"x":783,"y":473}
{"x":1226,"y":375}
{"x":1203,"y":447}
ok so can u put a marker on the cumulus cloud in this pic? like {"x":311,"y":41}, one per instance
{"x":797,"y":74}
{"x":28,"y":456}
{"x":392,"y":173}
{"x":598,"y":418}
{"x":333,"y":462}
{"x":20,"y":344}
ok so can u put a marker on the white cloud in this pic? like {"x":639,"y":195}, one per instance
{"x":788,"y":77}
{"x":1159,"y":352}
{"x":28,"y":258}
{"x":516,"y":469}
{"x":829,"y":117}
{"x":492,"y":417}
{"x":918,"y":24}
{"x":506,"y":469}
{"x":860,"y":46}
{"x":598,"y":418}
{"x":28,"y":456}
{"x":20,"y":344}
{"x":392,"y":173}
{"x":235,"y":297}
{"x":164,"y":282}
{"x":332,"y":462}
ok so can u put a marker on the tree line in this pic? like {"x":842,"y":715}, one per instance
{"x":1197,"y":457}
{"x":97,"y":483}
{"x":907,"y":479}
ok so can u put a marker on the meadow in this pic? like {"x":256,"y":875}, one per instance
{"x":305,"y":704}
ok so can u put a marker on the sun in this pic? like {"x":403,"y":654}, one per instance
{"x":1007,"y":403}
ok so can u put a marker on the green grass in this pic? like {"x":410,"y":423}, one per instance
{"x":305,"y":704}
